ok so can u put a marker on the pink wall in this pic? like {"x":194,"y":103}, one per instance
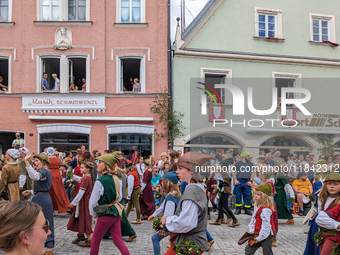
{"x":102,"y":35}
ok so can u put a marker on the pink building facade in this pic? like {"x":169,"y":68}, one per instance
{"x":95,"y":46}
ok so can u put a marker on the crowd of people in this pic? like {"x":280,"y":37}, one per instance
{"x":108,"y":187}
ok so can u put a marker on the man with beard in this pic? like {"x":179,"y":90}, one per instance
{"x":243,"y":179}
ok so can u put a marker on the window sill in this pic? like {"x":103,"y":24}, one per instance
{"x":130,"y":24}
{"x":49,"y":91}
{"x":269,"y":39}
{"x":7,"y":24}
{"x":324,"y":43}
{"x":77,"y":91}
{"x":63,"y":23}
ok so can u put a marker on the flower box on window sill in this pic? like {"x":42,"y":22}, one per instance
{"x":63,"y":23}
{"x":130,"y":24}
{"x":325,"y":43}
{"x":7,"y":24}
{"x":269,"y":39}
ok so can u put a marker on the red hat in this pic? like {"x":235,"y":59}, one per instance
{"x":86,"y":154}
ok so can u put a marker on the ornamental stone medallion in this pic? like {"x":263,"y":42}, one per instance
{"x":63,"y":39}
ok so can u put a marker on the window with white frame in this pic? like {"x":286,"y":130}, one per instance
{"x":4,"y":75}
{"x":212,"y":79}
{"x":131,"y":11}
{"x":76,"y":78}
{"x":77,"y":10}
{"x":286,"y":80}
{"x":4,"y":10}
{"x":50,"y":10}
{"x":322,"y":28}
{"x":130,"y":74}
{"x":268,"y":23}
{"x":63,"y":10}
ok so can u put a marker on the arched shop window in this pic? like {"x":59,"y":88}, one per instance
{"x":63,"y":141}
{"x":127,"y":143}
{"x":285,"y":145}
{"x":212,"y":142}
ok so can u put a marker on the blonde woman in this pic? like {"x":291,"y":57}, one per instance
{"x":136,"y":85}
{"x":56,"y":82}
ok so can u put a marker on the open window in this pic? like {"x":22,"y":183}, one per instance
{"x":285,"y":82}
{"x":4,"y":75}
{"x":212,"y":79}
{"x":50,"y":66}
{"x":130,"y":69}
{"x":77,"y":74}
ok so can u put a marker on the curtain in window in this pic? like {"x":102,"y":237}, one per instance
{"x":125,"y":11}
{"x":50,"y":10}
{"x":136,"y":11}
{"x":3,"y":10}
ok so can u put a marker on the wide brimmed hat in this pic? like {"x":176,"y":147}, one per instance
{"x":192,"y":159}
{"x":337,"y":153}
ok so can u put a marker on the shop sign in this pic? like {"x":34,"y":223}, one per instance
{"x":63,"y":102}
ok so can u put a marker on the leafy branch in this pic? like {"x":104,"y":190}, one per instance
{"x":327,"y":143}
{"x":171,"y":120}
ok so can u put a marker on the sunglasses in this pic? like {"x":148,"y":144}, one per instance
{"x":156,"y":171}
{"x":46,"y":227}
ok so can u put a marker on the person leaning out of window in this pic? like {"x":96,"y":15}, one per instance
{"x":136,"y":85}
{"x":56,"y":82}
{"x":3,"y":87}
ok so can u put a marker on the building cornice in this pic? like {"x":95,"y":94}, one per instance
{"x":255,"y":57}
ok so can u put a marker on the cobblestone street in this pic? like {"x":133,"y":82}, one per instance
{"x":291,"y":239}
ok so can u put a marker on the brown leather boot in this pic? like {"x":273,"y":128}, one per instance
{"x":80,"y":238}
{"x":137,"y":221}
{"x":210,"y":244}
{"x":289,"y":222}
{"x":227,"y":221}
{"x":234,"y":224}
{"x":87,"y":243}
{"x":131,"y":238}
{"x":274,"y":244}
{"x":215,"y":222}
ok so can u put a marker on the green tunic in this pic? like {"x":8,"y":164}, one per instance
{"x":109,"y":195}
{"x":29,"y":182}
{"x":281,"y":199}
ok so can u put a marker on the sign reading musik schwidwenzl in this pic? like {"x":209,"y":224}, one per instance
{"x":70,"y":101}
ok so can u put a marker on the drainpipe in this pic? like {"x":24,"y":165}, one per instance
{"x":169,"y":57}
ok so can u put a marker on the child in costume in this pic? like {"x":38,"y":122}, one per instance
{"x":190,"y":219}
{"x":106,"y":191}
{"x":262,"y":221}
{"x":168,"y":207}
{"x":329,"y":198}
{"x":81,"y":220}
{"x":134,"y":191}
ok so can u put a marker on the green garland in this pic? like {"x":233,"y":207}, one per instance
{"x":158,"y":195}
{"x":86,"y":164}
{"x":336,"y":250}
{"x":318,"y":238}
{"x":291,"y":199}
{"x":41,"y":159}
{"x":187,"y":248}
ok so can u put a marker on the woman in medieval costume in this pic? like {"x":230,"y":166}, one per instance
{"x":9,"y":176}
{"x":58,"y":194}
{"x":147,"y":200}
